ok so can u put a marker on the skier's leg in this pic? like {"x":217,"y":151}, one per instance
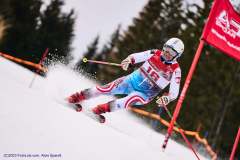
{"x":118,"y":86}
{"x":135,"y":98}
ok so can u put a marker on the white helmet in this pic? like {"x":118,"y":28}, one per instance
{"x":176,"y":45}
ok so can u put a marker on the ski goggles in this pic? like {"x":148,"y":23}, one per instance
{"x":170,"y":50}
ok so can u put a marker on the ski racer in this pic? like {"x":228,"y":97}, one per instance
{"x":160,"y":68}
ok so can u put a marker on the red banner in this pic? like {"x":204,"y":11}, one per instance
{"x":223,"y":28}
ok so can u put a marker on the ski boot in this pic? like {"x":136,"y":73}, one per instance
{"x":76,"y":99}
{"x":99,"y":110}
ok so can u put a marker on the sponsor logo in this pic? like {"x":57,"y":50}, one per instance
{"x":152,"y":73}
{"x":228,"y":25}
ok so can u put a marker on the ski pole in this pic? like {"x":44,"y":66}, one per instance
{"x":181,"y":132}
{"x":85,"y":60}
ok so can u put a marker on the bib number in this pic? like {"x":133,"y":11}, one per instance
{"x":152,"y":73}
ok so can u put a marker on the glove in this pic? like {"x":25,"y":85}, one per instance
{"x":125,"y":63}
{"x":163,"y":101}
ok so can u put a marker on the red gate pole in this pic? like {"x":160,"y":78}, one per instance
{"x":40,"y":63}
{"x":235,"y":145}
{"x":183,"y":93}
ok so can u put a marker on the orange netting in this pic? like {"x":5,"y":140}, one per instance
{"x":18,"y":60}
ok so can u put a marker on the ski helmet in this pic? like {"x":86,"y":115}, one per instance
{"x":174,"y":47}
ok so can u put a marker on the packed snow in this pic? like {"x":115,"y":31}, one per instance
{"x":35,"y":122}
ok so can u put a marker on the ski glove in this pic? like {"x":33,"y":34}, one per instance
{"x":163,"y":101}
{"x":125,"y":63}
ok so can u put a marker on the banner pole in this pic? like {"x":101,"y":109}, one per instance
{"x":235,"y":145}
{"x":183,"y":93}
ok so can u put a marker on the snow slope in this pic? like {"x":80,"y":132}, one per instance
{"x":35,"y":124}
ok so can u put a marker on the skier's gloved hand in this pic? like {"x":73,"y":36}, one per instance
{"x":163,"y":101}
{"x":125,"y":63}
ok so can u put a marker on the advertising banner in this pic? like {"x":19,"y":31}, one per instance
{"x":223,"y":28}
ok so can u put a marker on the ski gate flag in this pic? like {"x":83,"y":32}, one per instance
{"x":223,"y":28}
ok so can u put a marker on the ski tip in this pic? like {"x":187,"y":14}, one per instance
{"x":102,"y":119}
{"x":78,"y":107}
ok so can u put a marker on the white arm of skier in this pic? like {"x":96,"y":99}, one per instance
{"x":175,"y":84}
{"x":141,"y":56}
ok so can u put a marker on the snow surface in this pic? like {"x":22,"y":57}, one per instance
{"x":34,"y":122}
